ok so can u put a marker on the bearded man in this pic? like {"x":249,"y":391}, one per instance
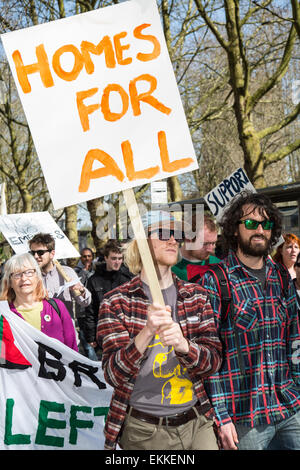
{"x":255,"y":394}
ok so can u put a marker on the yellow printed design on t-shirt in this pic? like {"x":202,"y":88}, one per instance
{"x":178,"y":389}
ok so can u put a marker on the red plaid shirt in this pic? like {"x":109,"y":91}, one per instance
{"x":123,"y":314}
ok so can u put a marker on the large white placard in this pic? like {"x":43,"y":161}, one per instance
{"x":101,"y":100}
{"x":18,"y":229}
{"x":52,"y":398}
{"x":219,"y":198}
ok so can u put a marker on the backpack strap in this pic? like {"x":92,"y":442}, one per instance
{"x":284,"y":278}
{"x":55,"y":306}
{"x":223,"y":284}
{"x":195,"y":279}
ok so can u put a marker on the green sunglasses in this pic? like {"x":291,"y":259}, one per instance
{"x":251,"y":224}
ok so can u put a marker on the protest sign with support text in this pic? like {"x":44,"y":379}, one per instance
{"x":220,"y":197}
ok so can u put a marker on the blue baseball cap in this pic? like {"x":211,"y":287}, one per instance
{"x":160,"y":219}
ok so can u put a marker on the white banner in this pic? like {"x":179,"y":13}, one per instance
{"x":18,"y":229}
{"x":51,"y":397}
{"x":102,"y":102}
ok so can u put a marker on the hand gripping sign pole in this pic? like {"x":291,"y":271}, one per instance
{"x":143,"y":246}
{"x":60,"y":269}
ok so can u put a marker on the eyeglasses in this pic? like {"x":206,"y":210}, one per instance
{"x":27,"y":273}
{"x":39,"y":252}
{"x":165,"y":234}
{"x":251,"y":224}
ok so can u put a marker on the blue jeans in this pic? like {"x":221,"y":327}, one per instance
{"x":284,"y":435}
{"x":88,"y":349}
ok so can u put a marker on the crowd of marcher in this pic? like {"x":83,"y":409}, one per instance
{"x":217,"y":366}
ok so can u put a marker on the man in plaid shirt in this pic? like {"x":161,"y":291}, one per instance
{"x":255,"y":394}
{"x":155,"y":357}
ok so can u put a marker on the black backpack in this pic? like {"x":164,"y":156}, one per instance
{"x":226,"y":298}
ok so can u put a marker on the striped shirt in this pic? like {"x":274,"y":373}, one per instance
{"x":123,"y":314}
{"x":268,"y":332}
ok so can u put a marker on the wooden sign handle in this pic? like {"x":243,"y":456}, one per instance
{"x":65,"y":276}
{"x":143,"y":246}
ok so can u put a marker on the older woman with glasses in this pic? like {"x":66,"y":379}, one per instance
{"x":22,"y":286}
{"x":287,"y":252}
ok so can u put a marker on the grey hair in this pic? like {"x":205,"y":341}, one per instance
{"x":16,"y":263}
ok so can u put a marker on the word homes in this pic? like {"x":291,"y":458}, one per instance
{"x":113,"y":50}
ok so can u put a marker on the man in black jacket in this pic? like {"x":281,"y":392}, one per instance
{"x":108,"y":275}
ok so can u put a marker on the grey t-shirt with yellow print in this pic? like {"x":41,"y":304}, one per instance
{"x":162,"y":387}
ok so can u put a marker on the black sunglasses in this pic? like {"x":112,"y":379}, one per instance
{"x":39,"y":252}
{"x":251,"y":224}
{"x":165,"y":234}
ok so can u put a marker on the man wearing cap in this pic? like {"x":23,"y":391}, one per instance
{"x":155,"y":356}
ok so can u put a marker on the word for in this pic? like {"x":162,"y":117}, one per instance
{"x":21,"y":239}
{"x":44,"y":422}
{"x":112,"y":48}
{"x":133,"y":96}
{"x":220,"y":196}
{"x":59,"y":373}
{"x":111,"y":168}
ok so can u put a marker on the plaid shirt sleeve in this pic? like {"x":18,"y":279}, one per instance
{"x":213,"y":384}
{"x":121,"y":359}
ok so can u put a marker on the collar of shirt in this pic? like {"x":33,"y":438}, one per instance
{"x":233,"y":263}
{"x":49,"y":273}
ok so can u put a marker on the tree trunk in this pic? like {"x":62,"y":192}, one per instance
{"x":27,"y":199}
{"x":175,"y":191}
{"x":95,"y":219}
{"x":71,"y":230}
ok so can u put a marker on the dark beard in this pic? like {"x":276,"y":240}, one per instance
{"x":250,"y":250}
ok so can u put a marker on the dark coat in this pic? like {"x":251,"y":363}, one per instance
{"x":101,"y":282}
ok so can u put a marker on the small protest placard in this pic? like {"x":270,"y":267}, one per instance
{"x":159,"y":192}
{"x":18,"y":229}
{"x":219,"y":197}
